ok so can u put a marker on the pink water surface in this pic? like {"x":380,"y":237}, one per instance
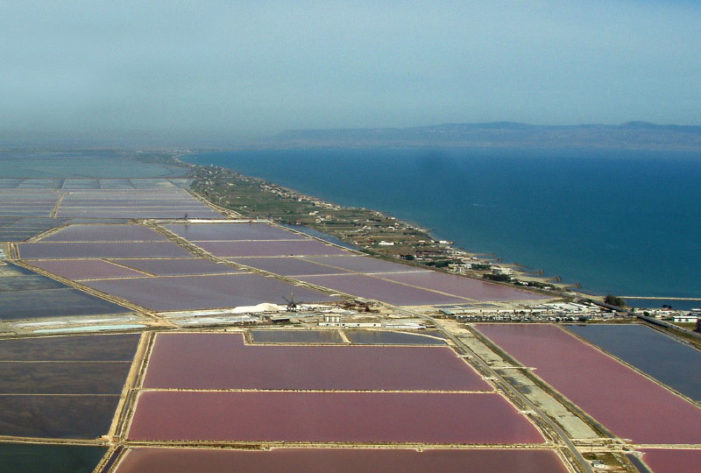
{"x":232,"y":231}
{"x":160,"y":460}
{"x":329,"y":417}
{"x":673,"y":461}
{"x":104,"y":233}
{"x":205,"y":292}
{"x":386,"y":291}
{"x":625,"y":402}
{"x":223,"y":361}
{"x":268,"y":248}
{"x":151,"y":249}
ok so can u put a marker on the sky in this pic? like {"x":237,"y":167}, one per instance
{"x":221,"y":71}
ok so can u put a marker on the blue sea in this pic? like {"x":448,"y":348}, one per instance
{"x":620,"y":222}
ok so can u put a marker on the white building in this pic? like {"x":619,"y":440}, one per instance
{"x":688,"y":318}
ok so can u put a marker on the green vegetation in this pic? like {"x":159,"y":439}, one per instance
{"x":497,"y":277}
{"x":370,"y":231}
{"x":615,"y":301}
{"x":481,"y":266}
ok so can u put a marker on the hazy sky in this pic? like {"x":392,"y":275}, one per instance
{"x":236,"y":68}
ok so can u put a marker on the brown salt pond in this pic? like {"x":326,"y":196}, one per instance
{"x":77,"y":269}
{"x":75,"y":348}
{"x":386,"y":291}
{"x":62,"y":377}
{"x":42,"y":458}
{"x":151,"y":249}
{"x":63,"y":387}
{"x":673,"y":461}
{"x":363,"y":264}
{"x":119,"y":232}
{"x":27,"y":202}
{"x":66,"y":416}
{"x":266,"y":416}
{"x":462,"y":286}
{"x":287,"y":266}
{"x":232,"y":231}
{"x":178,"y":267}
{"x":205,"y":292}
{"x":624,"y":401}
{"x":231,"y":249}
{"x":223,"y":361}
{"x":133,"y":203}
{"x":161,"y":460}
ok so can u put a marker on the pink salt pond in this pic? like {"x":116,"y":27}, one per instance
{"x":161,"y":460}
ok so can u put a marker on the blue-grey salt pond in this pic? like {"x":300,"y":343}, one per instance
{"x":296,"y":336}
{"x":371,"y":337}
{"x":652,"y":352}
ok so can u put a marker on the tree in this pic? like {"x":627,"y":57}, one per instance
{"x":613,"y":300}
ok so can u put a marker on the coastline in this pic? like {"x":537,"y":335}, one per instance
{"x":617,"y":224}
{"x":214,"y":183}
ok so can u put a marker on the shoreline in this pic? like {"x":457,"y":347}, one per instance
{"x":523,"y":276}
{"x":208,"y":183}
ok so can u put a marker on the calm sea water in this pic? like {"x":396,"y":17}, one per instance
{"x":624,"y":222}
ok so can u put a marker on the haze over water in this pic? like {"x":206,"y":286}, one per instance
{"x":622,"y":222}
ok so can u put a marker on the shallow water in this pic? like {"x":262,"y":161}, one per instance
{"x":652,"y":352}
{"x":28,"y":458}
{"x":296,"y":336}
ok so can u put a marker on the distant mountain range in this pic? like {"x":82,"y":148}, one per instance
{"x":632,"y":135}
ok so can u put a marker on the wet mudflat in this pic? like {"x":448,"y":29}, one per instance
{"x":625,"y":402}
{"x":205,"y":292}
{"x":159,"y":460}
{"x":31,"y":458}
{"x":296,"y":336}
{"x":21,"y":228}
{"x":62,"y":377}
{"x":329,"y":417}
{"x":223,"y":361}
{"x":28,"y":282}
{"x":48,"y":389}
{"x":371,"y":337}
{"x":25,"y":294}
{"x":27,"y":202}
{"x":379,"y":289}
{"x":652,"y":352}
{"x":673,"y":461}
{"x":53,"y":303}
{"x":68,"y":416}
{"x":85,"y":348}
{"x":232,"y":231}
